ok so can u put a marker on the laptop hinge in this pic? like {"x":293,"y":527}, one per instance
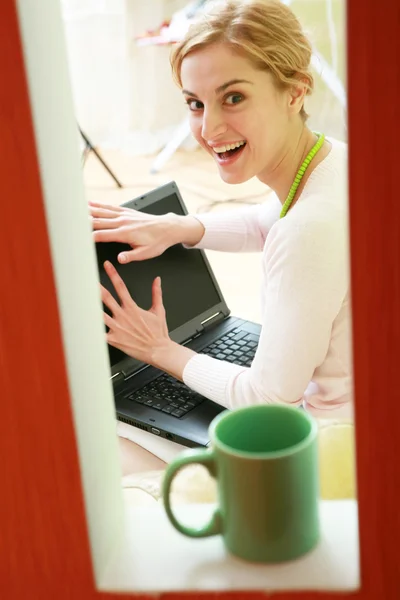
{"x":117,"y":378}
{"x":210,"y":321}
{"x":125,"y":375}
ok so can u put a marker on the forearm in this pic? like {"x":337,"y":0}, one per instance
{"x":242,"y":230}
{"x":171,"y":357}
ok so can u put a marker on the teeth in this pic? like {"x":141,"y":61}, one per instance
{"x":220,"y":149}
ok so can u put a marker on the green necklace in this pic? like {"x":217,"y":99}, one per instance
{"x":300,"y":173}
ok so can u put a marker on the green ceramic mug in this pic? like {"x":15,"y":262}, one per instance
{"x":265,"y":461}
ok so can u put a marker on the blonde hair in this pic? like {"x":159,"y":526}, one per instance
{"x":266,"y":32}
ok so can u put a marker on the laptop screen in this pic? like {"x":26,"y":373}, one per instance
{"x":188,"y":288}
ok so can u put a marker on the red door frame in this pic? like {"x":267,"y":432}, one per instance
{"x":44,"y":550}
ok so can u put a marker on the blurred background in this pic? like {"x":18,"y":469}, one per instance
{"x":132,"y":113}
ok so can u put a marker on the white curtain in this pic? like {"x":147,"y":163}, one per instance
{"x":124,"y":94}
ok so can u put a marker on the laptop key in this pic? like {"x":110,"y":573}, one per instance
{"x":167,"y":409}
{"x":252,"y":338}
{"x":178,"y":413}
{"x":175,"y":386}
{"x":195,"y":399}
{"x":137,"y":398}
{"x":240,"y":335}
{"x":159,"y":405}
{"x":167,"y":379}
{"x":230,"y":358}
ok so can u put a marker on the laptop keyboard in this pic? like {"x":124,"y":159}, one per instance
{"x":168,"y":395}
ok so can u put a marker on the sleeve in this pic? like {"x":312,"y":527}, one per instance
{"x":243,"y":230}
{"x":306,"y":282}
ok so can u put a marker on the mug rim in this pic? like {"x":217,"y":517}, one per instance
{"x":267,"y":454}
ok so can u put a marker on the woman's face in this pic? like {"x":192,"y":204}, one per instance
{"x":231,"y":103}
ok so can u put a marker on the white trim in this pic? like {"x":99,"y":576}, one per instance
{"x":153,"y":557}
{"x":73,"y":256}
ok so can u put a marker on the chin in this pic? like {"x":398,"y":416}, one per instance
{"x":233,"y":178}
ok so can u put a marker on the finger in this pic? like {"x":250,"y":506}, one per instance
{"x":119,"y":285}
{"x":157,"y":306}
{"x":106,"y":223}
{"x":109,"y":300}
{"x":113,"y":341}
{"x":108,"y":321}
{"x":108,"y":213}
{"x":139,"y":253}
{"x":105,"y":206}
{"x":120,"y":234}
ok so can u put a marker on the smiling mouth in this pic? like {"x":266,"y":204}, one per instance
{"x":225,"y":152}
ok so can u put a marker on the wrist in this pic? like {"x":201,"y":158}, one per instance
{"x":187,"y":229}
{"x":171,"y":357}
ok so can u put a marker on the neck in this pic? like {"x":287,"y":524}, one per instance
{"x":291,"y":155}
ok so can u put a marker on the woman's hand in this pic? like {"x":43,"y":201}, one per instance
{"x":148,"y":235}
{"x":142,"y":334}
{"x":135,"y":331}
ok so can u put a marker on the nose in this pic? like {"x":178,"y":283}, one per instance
{"x":213,"y":124}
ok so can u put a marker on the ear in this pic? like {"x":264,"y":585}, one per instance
{"x":296,"y":96}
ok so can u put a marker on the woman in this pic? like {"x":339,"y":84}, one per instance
{"x":244,"y":71}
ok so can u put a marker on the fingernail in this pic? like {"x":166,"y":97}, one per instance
{"x":122,"y":258}
{"x":159,"y":281}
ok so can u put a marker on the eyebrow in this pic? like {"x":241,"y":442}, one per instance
{"x":222,"y":87}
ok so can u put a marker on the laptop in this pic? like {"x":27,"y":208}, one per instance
{"x":197,"y":316}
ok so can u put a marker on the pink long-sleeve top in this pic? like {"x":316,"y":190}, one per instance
{"x":304,"y":353}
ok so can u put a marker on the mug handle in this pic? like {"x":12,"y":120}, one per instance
{"x":202,"y":457}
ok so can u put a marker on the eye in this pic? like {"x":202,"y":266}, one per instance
{"x":194,"y":104}
{"x":233,"y":99}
